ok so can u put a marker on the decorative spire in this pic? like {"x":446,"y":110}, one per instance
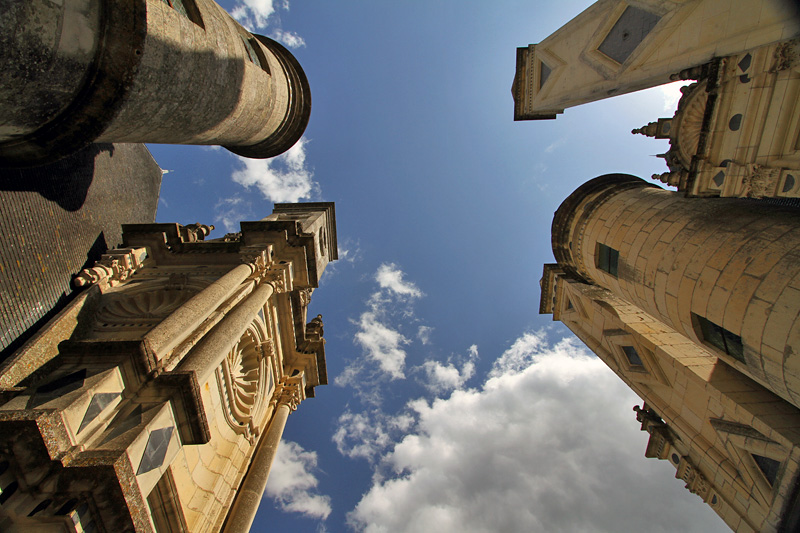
{"x":649,"y":130}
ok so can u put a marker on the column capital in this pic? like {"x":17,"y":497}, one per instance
{"x":290,"y":391}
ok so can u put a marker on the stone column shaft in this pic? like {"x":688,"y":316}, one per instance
{"x":184,"y":320}
{"x":248,"y":498}
{"x":209,"y":353}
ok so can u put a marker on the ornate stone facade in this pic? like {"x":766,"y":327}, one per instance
{"x":617,"y":46}
{"x":737,"y":129}
{"x":155,"y":401}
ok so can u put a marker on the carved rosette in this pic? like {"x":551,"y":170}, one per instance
{"x":245,"y":380}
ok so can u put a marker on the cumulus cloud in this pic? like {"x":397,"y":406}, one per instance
{"x":444,"y":377}
{"x":379,"y":335}
{"x":520,"y":355}
{"x":289,"y":38}
{"x":368,"y":434}
{"x":424,"y":334}
{"x":284,"y":178}
{"x":551,"y":446}
{"x":254,"y":14}
{"x":382,"y":344}
{"x":230,"y":211}
{"x":349,"y":250}
{"x":292,"y":482}
{"x":390,"y":277}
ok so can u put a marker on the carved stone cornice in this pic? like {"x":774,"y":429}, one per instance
{"x":113,"y":268}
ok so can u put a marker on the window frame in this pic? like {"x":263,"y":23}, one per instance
{"x":607,"y":259}
{"x":720,"y":338}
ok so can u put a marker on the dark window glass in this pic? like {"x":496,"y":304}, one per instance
{"x":769,"y":467}
{"x":544,"y":74}
{"x":187,"y":9}
{"x":156,"y":450}
{"x":630,"y":29}
{"x":178,"y":6}
{"x":9,"y":491}
{"x":254,"y":53}
{"x":632,"y":355}
{"x":721,"y":338}
{"x":607,"y":259}
{"x":251,"y":53}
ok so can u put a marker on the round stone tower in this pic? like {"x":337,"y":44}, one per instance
{"x":158,"y":71}
{"x":723,"y":272}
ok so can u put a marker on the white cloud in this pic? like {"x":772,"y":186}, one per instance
{"x":284,"y":178}
{"x":444,"y":377}
{"x":289,"y":38}
{"x":365,"y":435}
{"x":379,"y":336}
{"x":292,"y":482}
{"x":254,"y":14}
{"x":424,"y":334}
{"x":230,"y":211}
{"x":441,"y":377}
{"x":520,"y":355}
{"x":390,"y":277}
{"x":552,"y":446}
{"x":382,"y":344}
{"x":672,"y":94}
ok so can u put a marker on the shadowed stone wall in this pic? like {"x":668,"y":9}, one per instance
{"x":55,"y":219}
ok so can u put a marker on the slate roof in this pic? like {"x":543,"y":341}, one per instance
{"x":58,"y":218}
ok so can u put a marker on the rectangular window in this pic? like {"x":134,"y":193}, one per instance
{"x":607,"y":259}
{"x":254,"y":53}
{"x":721,"y":338}
{"x":187,"y":9}
{"x":632,"y":355}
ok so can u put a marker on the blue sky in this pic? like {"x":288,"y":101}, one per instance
{"x":453,"y":405}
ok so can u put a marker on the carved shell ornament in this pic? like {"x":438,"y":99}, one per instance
{"x":245,"y":380}
{"x":142,"y":308}
{"x":688,"y":122}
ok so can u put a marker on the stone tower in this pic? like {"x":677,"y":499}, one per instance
{"x":616,"y":47}
{"x":178,"y":71}
{"x":156,"y":399}
{"x":695,"y":304}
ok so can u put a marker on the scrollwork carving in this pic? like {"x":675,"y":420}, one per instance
{"x":760,"y":181}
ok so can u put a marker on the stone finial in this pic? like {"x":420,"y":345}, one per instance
{"x":650,"y":130}
{"x":195,"y":232}
{"x":669,"y":178}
